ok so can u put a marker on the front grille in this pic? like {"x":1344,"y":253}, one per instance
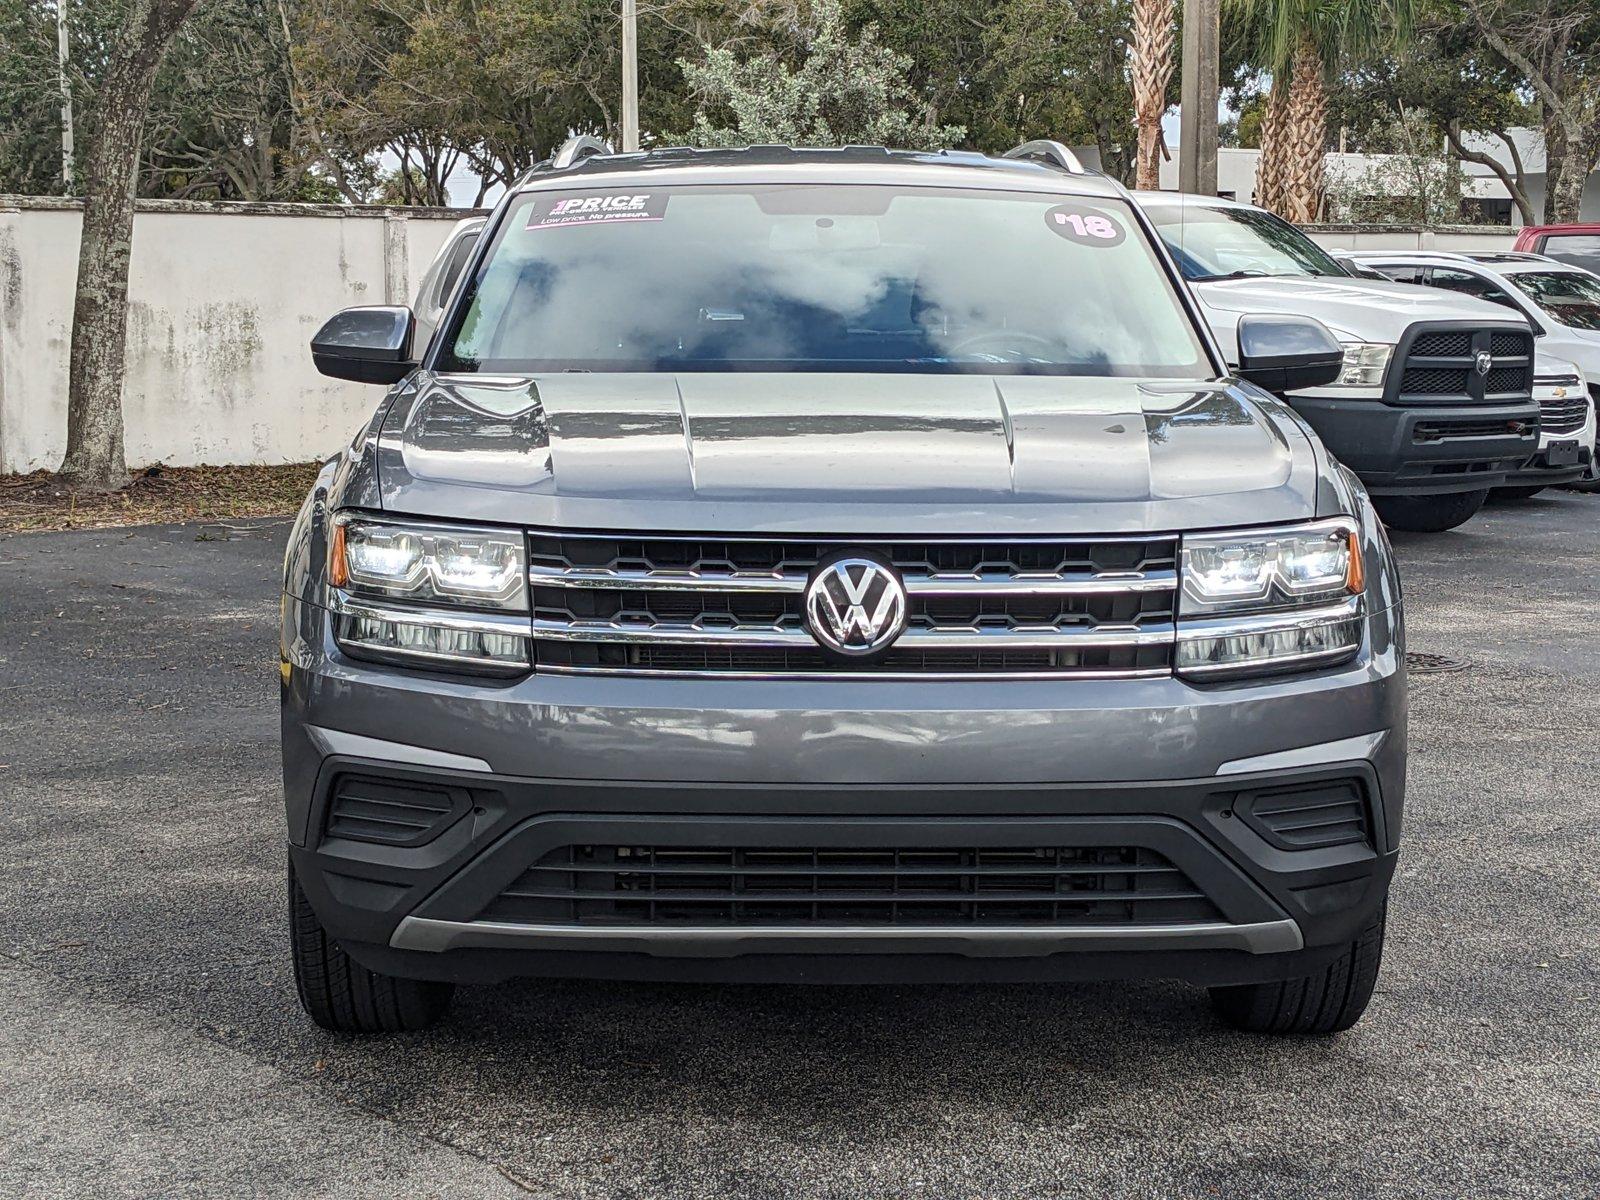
{"x":1564,"y":416}
{"x":736,"y":605}
{"x":1440,"y":366}
{"x":1434,"y":381}
{"x":739,"y":886}
{"x":391,"y":812}
{"x":1506,"y":379}
{"x":1443,"y":345}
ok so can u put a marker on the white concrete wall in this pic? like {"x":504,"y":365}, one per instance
{"x":1485,"y":238}
{"x":223,"y":300}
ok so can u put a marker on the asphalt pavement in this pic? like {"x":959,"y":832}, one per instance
{"x":151,"y":1045}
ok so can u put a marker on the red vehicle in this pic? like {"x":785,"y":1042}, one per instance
{"x":1575,"y":244}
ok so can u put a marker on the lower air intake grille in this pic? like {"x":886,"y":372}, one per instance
{"x":1329,"y":814}
{"x":393,"y":813}
{"x":1440,"y":431}
{"x":719,"y":886}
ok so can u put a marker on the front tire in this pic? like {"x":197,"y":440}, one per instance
{"x":340,"y":994}
{"x":1429,"y":514}
{"x":1328,"y":1001}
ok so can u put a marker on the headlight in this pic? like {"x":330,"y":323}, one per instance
{"x":1364,"y":365}
{"x":1270,"y":599}
{"x":479,"y":568}
{"x":453,"y":598}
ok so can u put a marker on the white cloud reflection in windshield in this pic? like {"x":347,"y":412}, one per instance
{"x":825,"y":278}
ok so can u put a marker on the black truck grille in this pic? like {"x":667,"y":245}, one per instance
{"x":736,"y":605}
{"x":1440,"y":366}
{"x":737,"y":886}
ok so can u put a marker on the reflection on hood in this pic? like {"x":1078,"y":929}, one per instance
{"x":730,"y":444}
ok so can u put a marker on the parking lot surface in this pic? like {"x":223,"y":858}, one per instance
{"x":152,"y":1044}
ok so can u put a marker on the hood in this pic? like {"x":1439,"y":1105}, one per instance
{"x":1367,"y":310}
{"x":836,"y":453}
{"x":1581,"y":347}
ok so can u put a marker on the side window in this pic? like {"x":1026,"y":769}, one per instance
{"x":1401,"y":274}
{"x":1579,"y":249}
{"x":1471,"y":285}
{"x":459,"y":253}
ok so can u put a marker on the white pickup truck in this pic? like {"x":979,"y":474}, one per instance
{"x":1435,"y":404}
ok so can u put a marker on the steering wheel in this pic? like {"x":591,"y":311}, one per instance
{"x":979,"y":343}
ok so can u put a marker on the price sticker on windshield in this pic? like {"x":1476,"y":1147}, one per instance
{"x":562,"y":211}
{"x":1086,"y":226}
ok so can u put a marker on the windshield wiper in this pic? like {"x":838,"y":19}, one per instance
{"x":1228,"y":275}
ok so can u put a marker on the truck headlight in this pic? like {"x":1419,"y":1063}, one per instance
{"x":1270,"y":599}
{"x":452,"y":597}
{"x":1365,"y":364}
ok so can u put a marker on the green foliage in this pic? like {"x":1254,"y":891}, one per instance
{"x":1414,"y":182}
{"x":221,"y":123}
{"x":30,"y":85}
{"x":845,"y":90}
{"x":1342,"y":31}
{"x":1448,"y":75}
{"x":30,"y":100}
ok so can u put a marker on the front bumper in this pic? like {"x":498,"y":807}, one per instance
{"x":1156,"y":765}
{"x":1381,"y":443}
{"x":1537,"y":471}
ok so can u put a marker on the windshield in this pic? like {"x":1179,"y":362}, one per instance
{"x":1237,"y":243}
{"x":822,"y":278}
{"x":1567,"y":297}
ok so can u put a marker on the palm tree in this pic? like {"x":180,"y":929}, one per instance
{"x":1299,"y":42}
{"x":1152,"y":69}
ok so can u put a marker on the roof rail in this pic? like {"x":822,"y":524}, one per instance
{"x":1044,"y":150}
{"x":575,"y":149}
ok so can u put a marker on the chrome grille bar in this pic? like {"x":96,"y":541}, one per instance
{"x":540,"y":574}
{"x":943,"y":638}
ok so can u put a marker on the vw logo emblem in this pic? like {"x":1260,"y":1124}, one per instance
{"x":855,"y":606}
{"x":1483,"y":361}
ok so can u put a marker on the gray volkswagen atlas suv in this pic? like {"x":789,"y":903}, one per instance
{"x":844,"y":565}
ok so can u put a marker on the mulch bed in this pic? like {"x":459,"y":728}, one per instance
{"x":157,"y":496}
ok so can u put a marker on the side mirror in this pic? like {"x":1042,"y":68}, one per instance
{"x":371,"y":344}
{"x":1283,"y":354}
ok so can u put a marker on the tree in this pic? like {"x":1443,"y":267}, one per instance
{"x":30,"y":88}
{"x":1152,"y":71}
{"x":1414,"y":183}
{"x":1300,"y":42}
{"x":1554,"y":45}
{"x":95,"y":459}
{"x":1471,"y":99}
{"x":492,"y":85}
{"x":845,"y":90}
{"x":222,"y":123}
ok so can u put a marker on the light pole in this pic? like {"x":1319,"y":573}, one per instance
{"x":66,"y":95}
{"x":630,"y":75}
{"x":1197,"y":133}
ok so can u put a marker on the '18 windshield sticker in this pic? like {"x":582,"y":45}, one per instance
{"x":1086,"y":226}
{"x":553,"y":212}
